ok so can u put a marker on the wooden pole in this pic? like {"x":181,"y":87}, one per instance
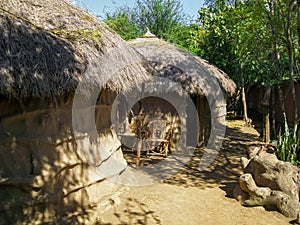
{"x":266,"y":111}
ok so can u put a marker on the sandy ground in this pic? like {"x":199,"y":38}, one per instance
{"x":194,"y":197}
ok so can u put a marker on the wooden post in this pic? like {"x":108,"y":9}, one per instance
{"x":245,"y":117}
{"x":138,"y":154}
{"x":273,"y":113}
{"x":266,"y":111}
{"x":267,"y":127}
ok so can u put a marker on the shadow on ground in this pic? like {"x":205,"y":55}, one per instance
{"x":194,"y":197}
{"x":226,"y":168}
{"x":134,"y":212}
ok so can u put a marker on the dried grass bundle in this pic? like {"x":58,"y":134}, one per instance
{"x":48,"y":46}
{"x":194,"y":73}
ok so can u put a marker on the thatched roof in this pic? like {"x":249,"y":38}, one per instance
{"x":48,"y":46}
{"x":195,"y":74}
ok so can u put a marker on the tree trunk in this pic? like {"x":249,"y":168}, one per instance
{"x":138,"y":153}
{"x":298,"y":21}
{"x":277,"y":70}
{"x":281,"y":100}
{"x":267,"y":137}
{"x":244,"y":104}
{"x":273,"y":113}
{"x":291,"y":60}
{"x":266,"y":111}
{"x":244,"y":98}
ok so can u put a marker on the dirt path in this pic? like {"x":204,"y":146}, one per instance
{"x":193,"y":197}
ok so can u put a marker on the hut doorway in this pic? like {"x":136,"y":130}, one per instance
{"x":156,"y":121}
{"x":204,"y":116}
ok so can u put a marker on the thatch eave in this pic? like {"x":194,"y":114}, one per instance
{"x":48,"y":47}
{"x":159,"y":52}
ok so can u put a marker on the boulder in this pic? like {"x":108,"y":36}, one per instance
{"x":269,"y":182}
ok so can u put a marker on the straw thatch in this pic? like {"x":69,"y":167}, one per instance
{"x":188,"y":69}
{"x":48,"y":46}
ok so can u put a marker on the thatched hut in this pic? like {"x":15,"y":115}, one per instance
{"x":47,"y":49}
{"x":207,"y":86}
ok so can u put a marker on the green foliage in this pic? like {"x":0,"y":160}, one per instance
{"x":163,"y":18}
{"x":288,"y":144}
{"x":217,"y":44}
{"x":220,"y":3}
{"x":190,"y":37}
{"x":123,"y":25}
{"x":240,"y":37}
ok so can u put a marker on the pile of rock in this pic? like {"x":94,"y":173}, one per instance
{"x":269,"y":182}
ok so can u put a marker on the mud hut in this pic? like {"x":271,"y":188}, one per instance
{"x":48,"y":48}
{"x":207,"y":86}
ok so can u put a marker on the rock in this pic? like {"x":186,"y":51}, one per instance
{"x":245,"y":163}
{"x":257,"y":195}
{"x":286,"y":205}
{"x":298,"y":218}
{"x":252,"y":151}
{"x":268,"y":171}
{"x":239,"y":194}
{"x":269,"y":182}
{"x":264,"y":196}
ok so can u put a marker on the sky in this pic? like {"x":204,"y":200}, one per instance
{"x":99,"y":7}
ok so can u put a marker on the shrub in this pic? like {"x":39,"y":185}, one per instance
{"x":288,"y":144}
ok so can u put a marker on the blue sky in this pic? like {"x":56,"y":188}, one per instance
{"x":98,"y":7}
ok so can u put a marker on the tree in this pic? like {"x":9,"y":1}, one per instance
{"x":122,"y":23}
{"x":253,"y":41}
{"x":298,"y":21}
{"x":216,"y":45}
{"x":256,"y":42}
{"x":290,"y":48}
{"x":164,"y":18}
{"x":218,"y":3}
